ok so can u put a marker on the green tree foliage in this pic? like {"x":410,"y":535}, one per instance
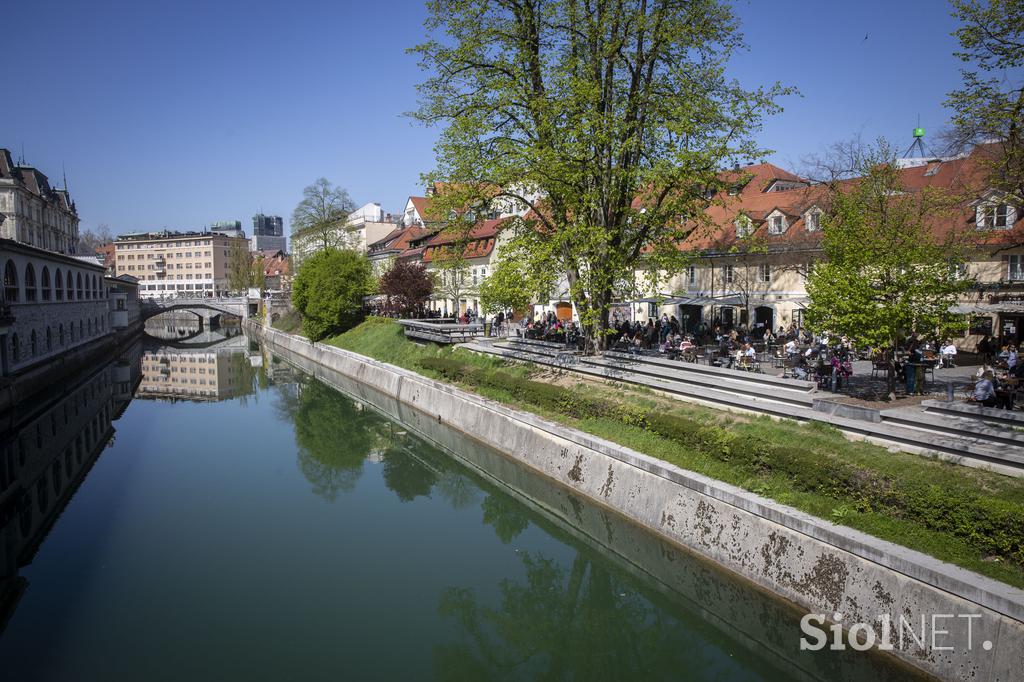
{"x":989,"y":105}
{"x":244,"y":269}
{"x":328,"y":291}
{"x":451,"y":274}
{"x":319,"y":219}
{"x":515,"y":282}
{"x":407,"y":286}
{"x":609,"y":118}
{"x":887,"y":272}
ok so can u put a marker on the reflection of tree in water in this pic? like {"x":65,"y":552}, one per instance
{"x":334,"y":436}
{"x":506,"y":515}
{"x":407,"y":476}
{"x":578,"y":624}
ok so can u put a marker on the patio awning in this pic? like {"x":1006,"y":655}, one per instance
{"x":987,"y":308}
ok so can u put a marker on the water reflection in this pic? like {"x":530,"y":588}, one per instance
{"x":209,"y":374}
{"x":192,"y":329}
{"x":420,"y":553}
{"x":47,"y":447}
{"x":611,"y":601}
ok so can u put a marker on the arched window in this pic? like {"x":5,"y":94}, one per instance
{"x":30,"y":283}
{"x":11,"y":282}
{"x":89,"y":327}
{"x":33,"y":344}
{"x":81,"y":330}
{"x":60,"y":335}
{"x":58,"y":284}
{"x":71,"y":287}
{"x":95,"y":287}
{"x":15,"y":348}
{"x":79,"y":291}
{"x":45,"y":284}
{"x":49,"y":339}
{"x":71,"y":331}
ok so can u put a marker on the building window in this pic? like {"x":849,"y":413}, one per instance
{"x":30,"y":283}
{"x":47,"y":291}
{"x":11,"y":293}
{"x":70,"y":286}
{"x":813,"y":220}
{"x":1016,"y":270}
{"x":744,"y":226}
{"x":691,"y":274}
{"x":777,"y":224}
{"x":49,"y":339}
{"x":15,"y":348}
{"x":764,"y":273}
{"x":727,"y":274}
{"x":995,"y":216}
{"x":58,"y":285}
{"x":33,"y":344}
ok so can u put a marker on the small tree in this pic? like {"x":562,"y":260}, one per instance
{"x":451,"y":274}
{"x":407,"y":286}
{"x":887,"y":272}
{"x":318,"y":222}
{"x":328,"y":291}
{"x":89,"y":241}
{"x":514,"y":284}
{"x":244,"y":270}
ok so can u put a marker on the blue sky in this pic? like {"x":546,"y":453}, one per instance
{"x":180,"y":114}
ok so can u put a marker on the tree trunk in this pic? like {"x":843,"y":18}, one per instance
{"x":891,"y":379}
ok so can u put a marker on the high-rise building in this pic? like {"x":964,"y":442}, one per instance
{"x":268,"y":233}
{"x":267,"y":225}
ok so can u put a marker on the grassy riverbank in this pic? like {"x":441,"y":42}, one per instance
{"x":965,"y":516}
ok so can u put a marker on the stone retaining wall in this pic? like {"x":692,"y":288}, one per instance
{"x":821,"y":567}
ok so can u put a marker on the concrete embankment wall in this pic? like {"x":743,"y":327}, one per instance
{"x":820,"y":567}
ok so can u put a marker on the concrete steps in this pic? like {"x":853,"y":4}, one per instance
{"x":989,"y":415}
{"x":961,"y":449}
{"x":964,"y":427}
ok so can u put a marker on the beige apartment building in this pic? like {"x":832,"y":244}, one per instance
{"x":169,"y":264}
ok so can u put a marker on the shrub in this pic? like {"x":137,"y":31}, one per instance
{"x":328,"y":291}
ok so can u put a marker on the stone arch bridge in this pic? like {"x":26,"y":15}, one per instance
{"x":206,"y":309}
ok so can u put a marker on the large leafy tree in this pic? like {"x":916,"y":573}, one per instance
{"x":608,"y":119}
{"x":989,"y":105}
{"x":890,"y":265}
{"x":318,"y":221}
{"x":407,"y":286}
{"x":328,"y":291}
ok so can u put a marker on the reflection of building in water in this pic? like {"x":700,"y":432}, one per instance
{"x":44,"y":456}
{"x":194,"y":375}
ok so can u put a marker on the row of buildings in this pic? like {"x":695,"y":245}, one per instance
{"x":730,"y":285}
{"x":53,"y":300}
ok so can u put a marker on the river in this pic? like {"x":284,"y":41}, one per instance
{"x":215,"y":513}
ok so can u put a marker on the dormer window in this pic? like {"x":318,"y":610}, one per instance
{"x":993,"y":216}
{"x":744,"y":226}
{"x":813,"y":220}
{"x":777,"y":223}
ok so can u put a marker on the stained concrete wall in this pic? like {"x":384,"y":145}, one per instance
{"x":821,"y":567}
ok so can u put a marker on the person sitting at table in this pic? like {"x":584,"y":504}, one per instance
{"x":790,"y":348}
{"x":948,"y":354}
{"x":1011,"y":357}
{"x":984,"y":391}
